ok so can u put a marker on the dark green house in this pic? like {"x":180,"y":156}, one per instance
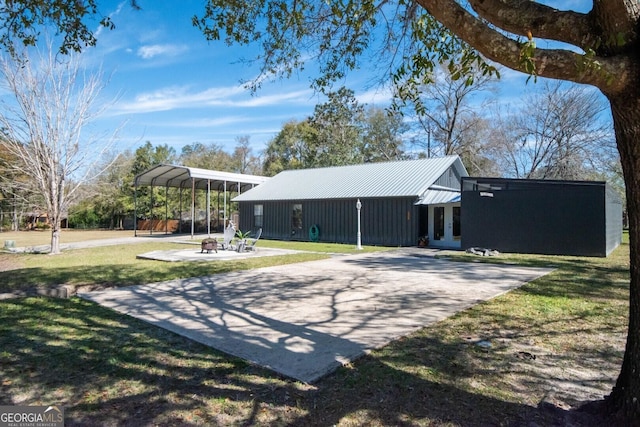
{"x":400,"y":202}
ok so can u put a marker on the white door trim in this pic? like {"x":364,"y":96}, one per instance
{"x":447,"y":240}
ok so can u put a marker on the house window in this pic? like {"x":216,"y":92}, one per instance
{"x":258,"y":215}
{"x":456,"y":223}
{"x":296,"y":218}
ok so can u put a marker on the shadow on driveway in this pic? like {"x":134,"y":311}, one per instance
{"x":304,"y":320}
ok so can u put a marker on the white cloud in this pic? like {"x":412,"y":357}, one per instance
{"x":181,"y":97}
{"x":151,"y":51}
{"x":208,"y":123}
{"x":376,"y":96}
{"x":293,"y":97}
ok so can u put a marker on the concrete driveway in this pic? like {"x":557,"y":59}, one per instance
{"x":304,"y":320}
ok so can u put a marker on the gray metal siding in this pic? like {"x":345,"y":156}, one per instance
{"x":450,"y":179}
{"x":384,"y":222}
{"x":544,"y":219}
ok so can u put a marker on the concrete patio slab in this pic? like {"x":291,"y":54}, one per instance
{"x":193,"y":253}
{"x":304,"y":320}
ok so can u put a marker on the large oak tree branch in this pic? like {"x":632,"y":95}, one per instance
{"x":617,"y":23}
{"x":518,"y":17}
{"x":610,"y":75}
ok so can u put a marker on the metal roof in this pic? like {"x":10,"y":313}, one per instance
{"x":182,"y":176}
{"x":407,"y":178}
{"x":435,"y":197}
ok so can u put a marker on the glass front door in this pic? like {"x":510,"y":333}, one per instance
{"x":444,"y":229}
{"x":438,"y":223}
{"x":456,"y":223}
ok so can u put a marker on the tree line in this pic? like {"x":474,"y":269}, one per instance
{"x":107,"y":201}
{"x":558,"y":132}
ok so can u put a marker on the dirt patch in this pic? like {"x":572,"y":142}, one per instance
{"x":9,"y":262}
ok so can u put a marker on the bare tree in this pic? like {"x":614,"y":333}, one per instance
{"x":558,"y":133}
{"x":444,"y":107}
{"x":243,"y":158}
{"x":44,"y":116}
{"x":444,"y":110}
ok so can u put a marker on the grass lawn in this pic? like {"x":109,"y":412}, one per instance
{"x":43,"y":237}
{"x":558,"y":339}
{"x":117,"y":265}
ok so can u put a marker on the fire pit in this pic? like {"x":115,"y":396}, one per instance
{"x":209,"y":245}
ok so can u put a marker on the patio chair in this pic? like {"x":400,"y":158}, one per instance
{"x":251,"y":243}
{"x":228,"y":236}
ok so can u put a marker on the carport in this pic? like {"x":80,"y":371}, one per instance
{"x":183,"y":177}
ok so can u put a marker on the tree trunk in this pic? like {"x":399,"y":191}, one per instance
{"x":15,"y":224}
{"x":55,"y":238}
{"x":625,"y":397}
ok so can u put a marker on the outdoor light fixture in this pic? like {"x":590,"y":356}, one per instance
{"x":359,"y":238}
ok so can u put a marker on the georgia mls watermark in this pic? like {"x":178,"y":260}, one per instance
{"x":31,"y":416}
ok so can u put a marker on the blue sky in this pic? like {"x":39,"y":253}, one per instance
{"x":174,"y":87}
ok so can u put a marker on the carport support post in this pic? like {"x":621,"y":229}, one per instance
{"x":225,"y":204}
{"x":166,"y":209}
{"x":151,"y":212}
{"x":208,"y":208}
{"x":135,"y":209}
{"x":180,"y":209}
{"x":193,"y":205}
{"x":359,"y":235}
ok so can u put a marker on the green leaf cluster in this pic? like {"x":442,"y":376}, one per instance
{"x":336,"y":33}
{"x":432,"y":44}
{"x":527,"y":56}
{"x":22,"y":22}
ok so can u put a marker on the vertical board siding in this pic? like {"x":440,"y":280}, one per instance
{"x":384,"y":222}
{"x":536,"y":217}
{"x":450,"y":179}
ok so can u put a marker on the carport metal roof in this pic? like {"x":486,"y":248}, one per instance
{"x":186,"y":177}
{"x":196,"y":179}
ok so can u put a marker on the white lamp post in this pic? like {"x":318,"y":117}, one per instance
{"x":359,"y":238}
